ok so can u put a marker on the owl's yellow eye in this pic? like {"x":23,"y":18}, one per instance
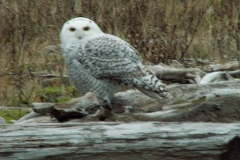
{"x":86,"y":28}
{"x":72,"y":29}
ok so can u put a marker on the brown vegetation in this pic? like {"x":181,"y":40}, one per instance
{"x":161,"y":30}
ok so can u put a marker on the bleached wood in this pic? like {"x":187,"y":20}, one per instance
{"x":180,"y":75}
{"x":114,"y":140}
{"x":216,"y":77}
{"x":184,"y":96}
{"x":228,"y":66}
{"x":181,"y":93}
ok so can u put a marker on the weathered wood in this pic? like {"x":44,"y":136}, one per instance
{"x":180,"y":75}
{"x":221,"y":109}
{"x":216,"y":77}
{"x":113,"y":140}
{"x":228,"y":66}
{"x":187,"y":99}
{"x":182,"y":93}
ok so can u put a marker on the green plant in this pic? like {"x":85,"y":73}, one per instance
{"x":12,"y":114}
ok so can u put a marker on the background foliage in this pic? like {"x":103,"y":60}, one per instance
{"x":161,"y":30}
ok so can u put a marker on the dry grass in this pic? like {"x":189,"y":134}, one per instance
{"x":161,"y":30}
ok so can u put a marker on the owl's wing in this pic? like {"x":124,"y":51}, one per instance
{"x":113,"y":68}
{"x":109,"y":46}
{"x":110,"y":56}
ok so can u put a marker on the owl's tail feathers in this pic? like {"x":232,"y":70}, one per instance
{"x":158,"y":96}
{"x":151,"y":86}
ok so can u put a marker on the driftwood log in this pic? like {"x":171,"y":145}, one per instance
{"x":139,"y":127}
{"x":216,"y":102}
{"x":113,"y":140}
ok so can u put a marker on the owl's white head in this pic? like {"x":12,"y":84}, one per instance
{"x":78,"y":30}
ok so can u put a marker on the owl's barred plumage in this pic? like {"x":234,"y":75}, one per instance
{"x":102,"y":63}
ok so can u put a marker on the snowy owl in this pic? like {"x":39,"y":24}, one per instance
{"x":102,"y":63}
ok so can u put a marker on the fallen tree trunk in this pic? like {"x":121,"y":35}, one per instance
{"x":229,"y":66}
{"x":113,"y":140}
{"x":216,"y":102}
{"x":181,"y":93}
{"x":180,"y":75}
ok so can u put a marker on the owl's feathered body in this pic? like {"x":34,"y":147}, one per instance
{"x":102,"y":63}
